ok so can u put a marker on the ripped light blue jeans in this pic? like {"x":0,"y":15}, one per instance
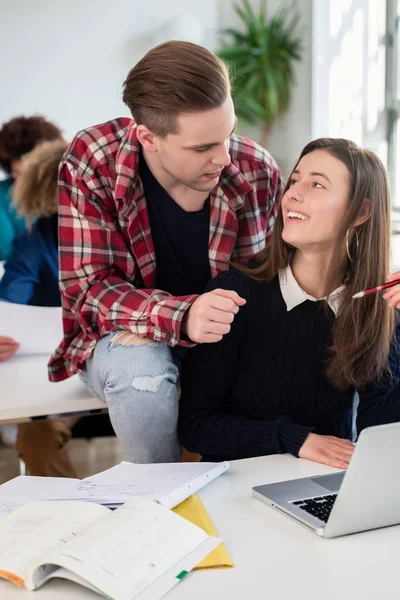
{"x":138,"y":383}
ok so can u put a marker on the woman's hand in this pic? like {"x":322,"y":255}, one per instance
{"x":328,"y":450}
{"x":392,"y":295}
{"x":8,"y":347}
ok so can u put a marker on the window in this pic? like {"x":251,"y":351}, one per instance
{"x":393,"y":97}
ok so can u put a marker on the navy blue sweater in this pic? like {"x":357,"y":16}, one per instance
{"x":262,"y":389}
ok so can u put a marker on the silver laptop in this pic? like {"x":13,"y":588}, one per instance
{"x":366,"y":496}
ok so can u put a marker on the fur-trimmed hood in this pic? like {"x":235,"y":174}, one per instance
{"x":35,"y":192}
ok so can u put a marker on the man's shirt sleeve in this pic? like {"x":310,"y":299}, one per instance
{"x":94,"y":262}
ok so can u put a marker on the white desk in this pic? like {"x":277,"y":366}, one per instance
{"x":275,"y":558}
{"x":26,"y":392}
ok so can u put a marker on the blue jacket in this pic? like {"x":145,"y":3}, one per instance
{"x":10,"y":224}
{"x":31,"y":271}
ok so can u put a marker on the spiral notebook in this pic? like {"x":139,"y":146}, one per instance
{"x":166,"y":483}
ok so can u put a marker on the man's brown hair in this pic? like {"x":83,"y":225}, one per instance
{"x":173,"y":78}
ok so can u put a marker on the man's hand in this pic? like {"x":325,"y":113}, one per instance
{"x":8,"y":347}
{"x":211,"y":315}
{"x":328,"y":450}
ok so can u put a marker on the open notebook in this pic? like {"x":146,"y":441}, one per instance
{"x":141,"y":550}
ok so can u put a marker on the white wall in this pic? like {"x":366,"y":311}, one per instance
{"x":349,"y":71}
{"x":293,"y":131}
{"x":68,"y":60}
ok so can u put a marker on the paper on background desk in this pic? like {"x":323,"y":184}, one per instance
{"x":38,"y":329}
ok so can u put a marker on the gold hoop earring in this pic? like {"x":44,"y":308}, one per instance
{"x":348,"y":245}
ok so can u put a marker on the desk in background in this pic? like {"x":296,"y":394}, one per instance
{"x":26,"y":392}
{"x":275,"y":558}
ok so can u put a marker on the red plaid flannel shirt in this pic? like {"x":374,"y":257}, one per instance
{"x":107,"y":261}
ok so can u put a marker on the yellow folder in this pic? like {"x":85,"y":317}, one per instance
{"x":193,"y":510}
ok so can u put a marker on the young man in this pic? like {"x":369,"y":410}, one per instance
{"x":150,"y":210}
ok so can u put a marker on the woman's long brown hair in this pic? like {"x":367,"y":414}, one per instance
{"x":364,"y":328}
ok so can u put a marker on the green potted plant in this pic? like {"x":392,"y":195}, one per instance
{"x":262,"y":55}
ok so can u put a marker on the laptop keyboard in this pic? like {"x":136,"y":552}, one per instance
{"x":319,"y":507}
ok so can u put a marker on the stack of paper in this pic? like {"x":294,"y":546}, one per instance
{"x":23,"y":490}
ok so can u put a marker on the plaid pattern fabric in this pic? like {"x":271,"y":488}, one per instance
{"x":106,"y":252}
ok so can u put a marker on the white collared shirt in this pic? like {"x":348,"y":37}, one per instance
{"x":294,"y":295}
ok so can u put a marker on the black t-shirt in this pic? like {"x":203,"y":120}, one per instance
{"x":180,"y":239}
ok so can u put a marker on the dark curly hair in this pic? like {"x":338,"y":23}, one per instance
{"x":20,"y":135}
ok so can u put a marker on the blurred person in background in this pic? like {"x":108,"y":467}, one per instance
{"x":31,"y":270}
{"x":17,"y":137}
{"x":31,"y":277}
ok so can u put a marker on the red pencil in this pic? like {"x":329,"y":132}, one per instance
{"x":378,"y":288}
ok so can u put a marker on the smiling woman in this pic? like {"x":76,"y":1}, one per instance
{"x":284,"y":377}
{"x":314,"y":207}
